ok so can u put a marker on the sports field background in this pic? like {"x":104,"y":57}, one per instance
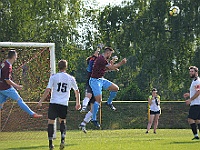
{"x":123,"y":129}
{"x":129,"y":115}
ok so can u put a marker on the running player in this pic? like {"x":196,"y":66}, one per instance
{"x":97,"y":82}
{"x":8,"y":87}
{"x":60,"y":84}
{"x":194,"y":101}
{"x":154,"y":102}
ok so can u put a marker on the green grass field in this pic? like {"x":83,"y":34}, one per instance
{"x":130,"y":139}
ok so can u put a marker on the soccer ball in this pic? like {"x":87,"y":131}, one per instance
{"x":115,"y":58}
{"x":174,"y":11}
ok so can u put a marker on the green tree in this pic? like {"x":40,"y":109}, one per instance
{"x":40,"y":21}
{"x":160,"y":47}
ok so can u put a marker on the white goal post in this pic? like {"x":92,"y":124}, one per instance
{"x":51,"y":47}
{"x":33,"y":44}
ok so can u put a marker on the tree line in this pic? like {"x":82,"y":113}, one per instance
{"x":159,"y":47}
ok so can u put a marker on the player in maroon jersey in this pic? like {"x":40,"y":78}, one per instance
{"x":8,"y":87}
{"x":89,"y":97}
{"x":98,"y":82}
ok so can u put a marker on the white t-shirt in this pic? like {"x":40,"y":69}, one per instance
{"x":195,"y":86}
{"x":60,"y":85}
{"x":154,"y":106}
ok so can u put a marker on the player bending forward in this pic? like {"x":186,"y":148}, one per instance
{"x":97,"y":82}
{"x":60,"y":85}
{"x":8,"y":87}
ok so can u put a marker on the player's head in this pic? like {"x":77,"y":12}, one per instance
{"x":108,"y":52}
{"x":193,"y":71}
{"x":62,"y":65}
{"x":12,"y":54}
{"x":154,"y":91}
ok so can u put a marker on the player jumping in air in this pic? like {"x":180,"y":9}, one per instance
{"x":8,"y":87}
{"x":89,"y":97}
{"x":194,"y":101}
{"x":60,"y":85}
{"x":97,"y":82}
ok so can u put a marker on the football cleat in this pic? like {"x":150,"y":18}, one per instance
{"x":62,"y":146}
{"x":83,"y":128}
{"x":51,"y":147}
{"x":111,"y":106}
{"x":196,"y":138}
{"x":96,"y":124}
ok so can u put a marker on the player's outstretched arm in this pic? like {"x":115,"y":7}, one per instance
{"x":15,"y":85}
{"x":115,"y":66}
{"x":77,"y":95}
{"x":46,"y":93}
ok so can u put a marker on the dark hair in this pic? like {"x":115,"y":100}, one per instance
{"x":194,"y":67}
{"x":88,"y":59}
{"x":108,"y":49}
{"x":62,"y":64}
{"x":11,"y":54}
{"x":154,"y":90}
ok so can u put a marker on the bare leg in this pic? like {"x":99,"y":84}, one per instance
{"x":156,"y":122}
{"x":150,"y":122}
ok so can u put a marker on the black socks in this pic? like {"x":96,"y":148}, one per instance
{"x":62,"y":131}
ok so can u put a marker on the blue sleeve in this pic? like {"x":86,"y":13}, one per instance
{"x":90,"y":65}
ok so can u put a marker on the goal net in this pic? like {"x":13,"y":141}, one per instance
{"x":32,"y":69}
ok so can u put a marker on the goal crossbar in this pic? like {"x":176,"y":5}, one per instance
{"x":35,"y":44}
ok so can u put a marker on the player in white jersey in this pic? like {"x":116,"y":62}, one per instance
{"x":154,"y":102}
{"x":60,"y":85}
{"x":194,"y":101}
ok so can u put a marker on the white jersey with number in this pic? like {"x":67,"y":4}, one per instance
{"x":195,"y":86}
{"x":60,"y":84}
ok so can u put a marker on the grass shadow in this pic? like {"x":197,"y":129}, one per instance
{"x":37,"y":147}
{"x":28,"y":147}
{"x":186,"y":142}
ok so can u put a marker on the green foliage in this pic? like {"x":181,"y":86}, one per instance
{"x":163,"y":47}
{"x":40,"y":21}
{"x":159,"y":47}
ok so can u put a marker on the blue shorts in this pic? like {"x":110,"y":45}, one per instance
{"x":98,"y":84}
{"x":9,"y":93}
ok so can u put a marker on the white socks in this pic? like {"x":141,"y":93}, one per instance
{"x":87,"y":118}
{"x":85,"y":101}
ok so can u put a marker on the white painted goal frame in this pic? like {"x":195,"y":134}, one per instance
{"x":51,"y":47}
